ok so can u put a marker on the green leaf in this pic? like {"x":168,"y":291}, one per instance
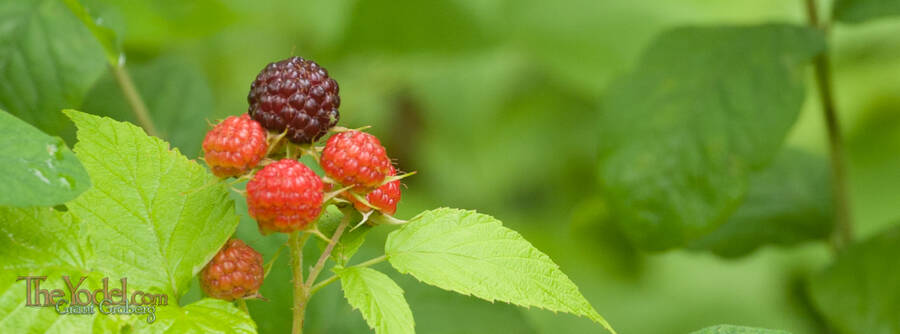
{"x":151,"y":25}
{"x":680,"y":135}
{"x":40,"y":241}
{"x":204,"y":316}
{"x":104,"y":35}
{"x":730,"y":329}
{"x":18,"y":318}
{"x":177,"y":95}
{"x":37,"y":169}
{"x":39,"y":237}
{"x":48,"y":61}
{"x":151,"y":218}
{"x":858,"y":293}
{"x":384,"y":26}
{"x":858,"y":11}
{"x":787,"y":203}
{"x":378,"y":298}
{"x":473,"y":254}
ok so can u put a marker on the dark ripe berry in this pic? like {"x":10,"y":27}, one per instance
{"x":356,"y":158}
{"x":235,"y":272}
{"x":234,"y":146}
{"x":284,"y":196}
{"x":297,"y":95}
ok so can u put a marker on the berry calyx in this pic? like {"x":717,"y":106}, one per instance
{"x":356,"y":158}
{"x":296,"y":95}
{"x":284,"y":196}
{"x":235,"y":272}
{"x":234,"y":146}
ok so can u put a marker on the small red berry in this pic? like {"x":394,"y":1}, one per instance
{"x":356,"y":158}
{"x":296,"y":95}
{"x":383,"y":198}
{"x":284,"y":196}
{"x":234,"y":146}
{"x":235,"y":272}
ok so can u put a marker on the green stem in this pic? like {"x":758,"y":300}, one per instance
{"x":322,"y":284}
{"x":242,"y":304}
{"x":333,"y":278}
{"x":296,"y":241}
{"x":843,"y":219}
{"x":324,"y":257}
{"x":134,"y":99}
{"x":372,"y":261}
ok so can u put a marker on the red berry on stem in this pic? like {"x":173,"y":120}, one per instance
{"x":284,"y":196}
{"x":235,"y":272}
{"x":295,"y":94}
{"x":356,"y":158}
{"x":386,"y":197}
{"x":234,"y":146}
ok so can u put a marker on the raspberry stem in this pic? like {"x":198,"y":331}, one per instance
{"x":296,"y":241}
{"x":324,"y":257}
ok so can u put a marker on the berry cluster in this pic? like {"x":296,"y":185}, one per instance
{"x":296,"y":100}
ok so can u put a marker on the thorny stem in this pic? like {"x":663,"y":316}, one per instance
{"x":844,"y":225}
{"x":301,"y":293}
{"x":134,"y":99}
{"x":324,"y":257}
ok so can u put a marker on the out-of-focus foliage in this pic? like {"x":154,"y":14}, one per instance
{"x":682,"y":133}
{"x":495,"y":103}
{"x":858,"y":293}
{"x":39,"y":170}
{"x":787,"y":203}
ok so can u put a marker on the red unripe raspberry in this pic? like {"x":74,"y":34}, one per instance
{"x":383,"y":198}
{"x":356,"y":158}
{"x":285,"y":196}
{"x":295,"y":94}
{"x":235,"y":272}
{"x":234,"y":146}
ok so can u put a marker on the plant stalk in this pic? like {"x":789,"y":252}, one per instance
{"x":134,"y":99}
{"x":324,"y":257}
{"x":296,"y":241}
{"x":843,"y":219}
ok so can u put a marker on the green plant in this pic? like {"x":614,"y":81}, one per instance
{"x":501,"y":105}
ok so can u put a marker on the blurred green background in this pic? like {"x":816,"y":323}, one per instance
{"x":494,"y":103}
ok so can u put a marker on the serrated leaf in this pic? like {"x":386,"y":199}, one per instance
{"x":378,"y":298}
{"x":18,"y":318}
{"x":177,"y":95}
{"x":473,"y":254}
{"x":39,"y":237}
{"x":48,"y":61}
{"x":858,"y":293}
{"x":39,"y":241}
{"x":204,"y":316}
{"x":705,"y":107}
{"x":858,"y":11}
{"x":787,"y":203}
{"x":38,"y":169}
{"x":730,"y":329}
{"x":151,"y":218}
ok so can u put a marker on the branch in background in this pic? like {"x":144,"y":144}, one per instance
{"x":116,"y":59}
{"x":844,"y":225}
